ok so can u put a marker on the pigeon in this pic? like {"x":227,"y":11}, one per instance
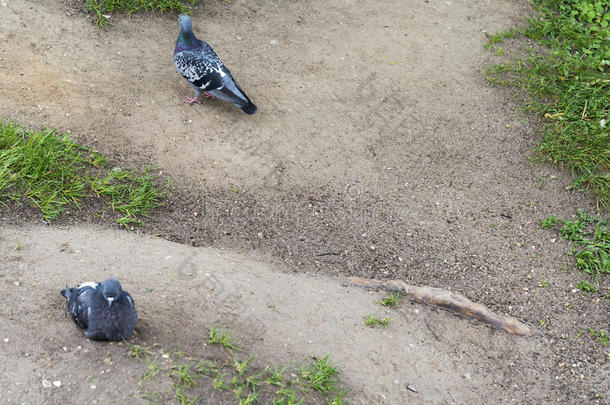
{"x":202,"y":68}
{"x":103,"y":310}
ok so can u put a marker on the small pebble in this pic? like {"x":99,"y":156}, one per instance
{"x":46,"y":383}
{"x":411,"y":388}
{"x":57,"y":383}
{"x":6,"y":340}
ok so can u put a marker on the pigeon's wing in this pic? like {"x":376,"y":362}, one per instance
{"x":80,"y":303}
{"x":231,"y":92}
{"x":130,"y":301}
{"x":130,"y":319}
{"x":199,"y":68}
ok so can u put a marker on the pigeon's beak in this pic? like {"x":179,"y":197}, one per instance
{"x":110,"y":301}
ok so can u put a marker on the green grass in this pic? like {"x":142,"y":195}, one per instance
{"x":223,"y":338}
{"x":549,"y":222}
{"x":601,"y":335}
{"x":18,"y":245}
{"x":391,"y":300}
{"x":371,"y":321}
{"x":53,"y":173}
{"x":232,"y":378}
{"x":321,"y":374}
{"x":105,"y":7}
{"x":136,"y":352}
{"x":591,"y":238}
{"x":586,"y":287}
{"x":567,"y":85}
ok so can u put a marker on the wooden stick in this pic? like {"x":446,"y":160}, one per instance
{"x":450,"y":301}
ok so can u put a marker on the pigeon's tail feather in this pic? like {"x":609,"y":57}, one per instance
{"x":232,"y":93}
{"x":249,"y":108}
{"x":66,"y":292}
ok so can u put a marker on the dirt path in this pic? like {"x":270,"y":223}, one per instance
{"x":282,"y":318}
{"x":378,"y":151}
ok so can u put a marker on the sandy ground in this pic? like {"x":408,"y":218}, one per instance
{"x":281,"y":318}
{"x":378,"y":151}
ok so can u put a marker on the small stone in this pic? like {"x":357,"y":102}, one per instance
{"x":6,"y":340}
{"x":411,"y":388}
{"x":273,"y":42}
{"x":46,"y":383}
{"x":57,"y":383}
{"x":93,"y":386}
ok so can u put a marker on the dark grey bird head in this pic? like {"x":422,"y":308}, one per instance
{"x":186,"y":25}
{"x":111,"y":290}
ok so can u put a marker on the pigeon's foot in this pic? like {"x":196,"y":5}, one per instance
{"x":192,"y":100}
{"x":208,"y":95}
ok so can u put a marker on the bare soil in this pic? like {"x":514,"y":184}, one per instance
{"x":378,"y":151}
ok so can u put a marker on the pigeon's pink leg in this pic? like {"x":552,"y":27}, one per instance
{"x":208,"y":95}
{"x":192,"y":100}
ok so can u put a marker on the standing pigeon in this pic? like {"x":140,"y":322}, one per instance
{"x":103,"y":310}
{"x":201,"y":67}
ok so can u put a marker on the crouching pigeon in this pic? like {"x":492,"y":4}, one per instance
{"x":103,"y":310}
{"x":201,"y":67}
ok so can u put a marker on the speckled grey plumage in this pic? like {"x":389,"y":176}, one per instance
{"x":202,"y":68}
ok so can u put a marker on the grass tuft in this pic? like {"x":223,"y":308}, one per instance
{"x":236,"y":380}
{"x":591,"y":238}
{"x":391,"y":300}
{"x":223,"y":338}
{"x":136,"y":351}
{"x":601,"y":335}
{"x":102,"y":8}
{"x":586,"y":287}
{"x":322,"y":375}
{"x":53,"y":173}
{"x":371,"y":321}
{"x":568,"y":87}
